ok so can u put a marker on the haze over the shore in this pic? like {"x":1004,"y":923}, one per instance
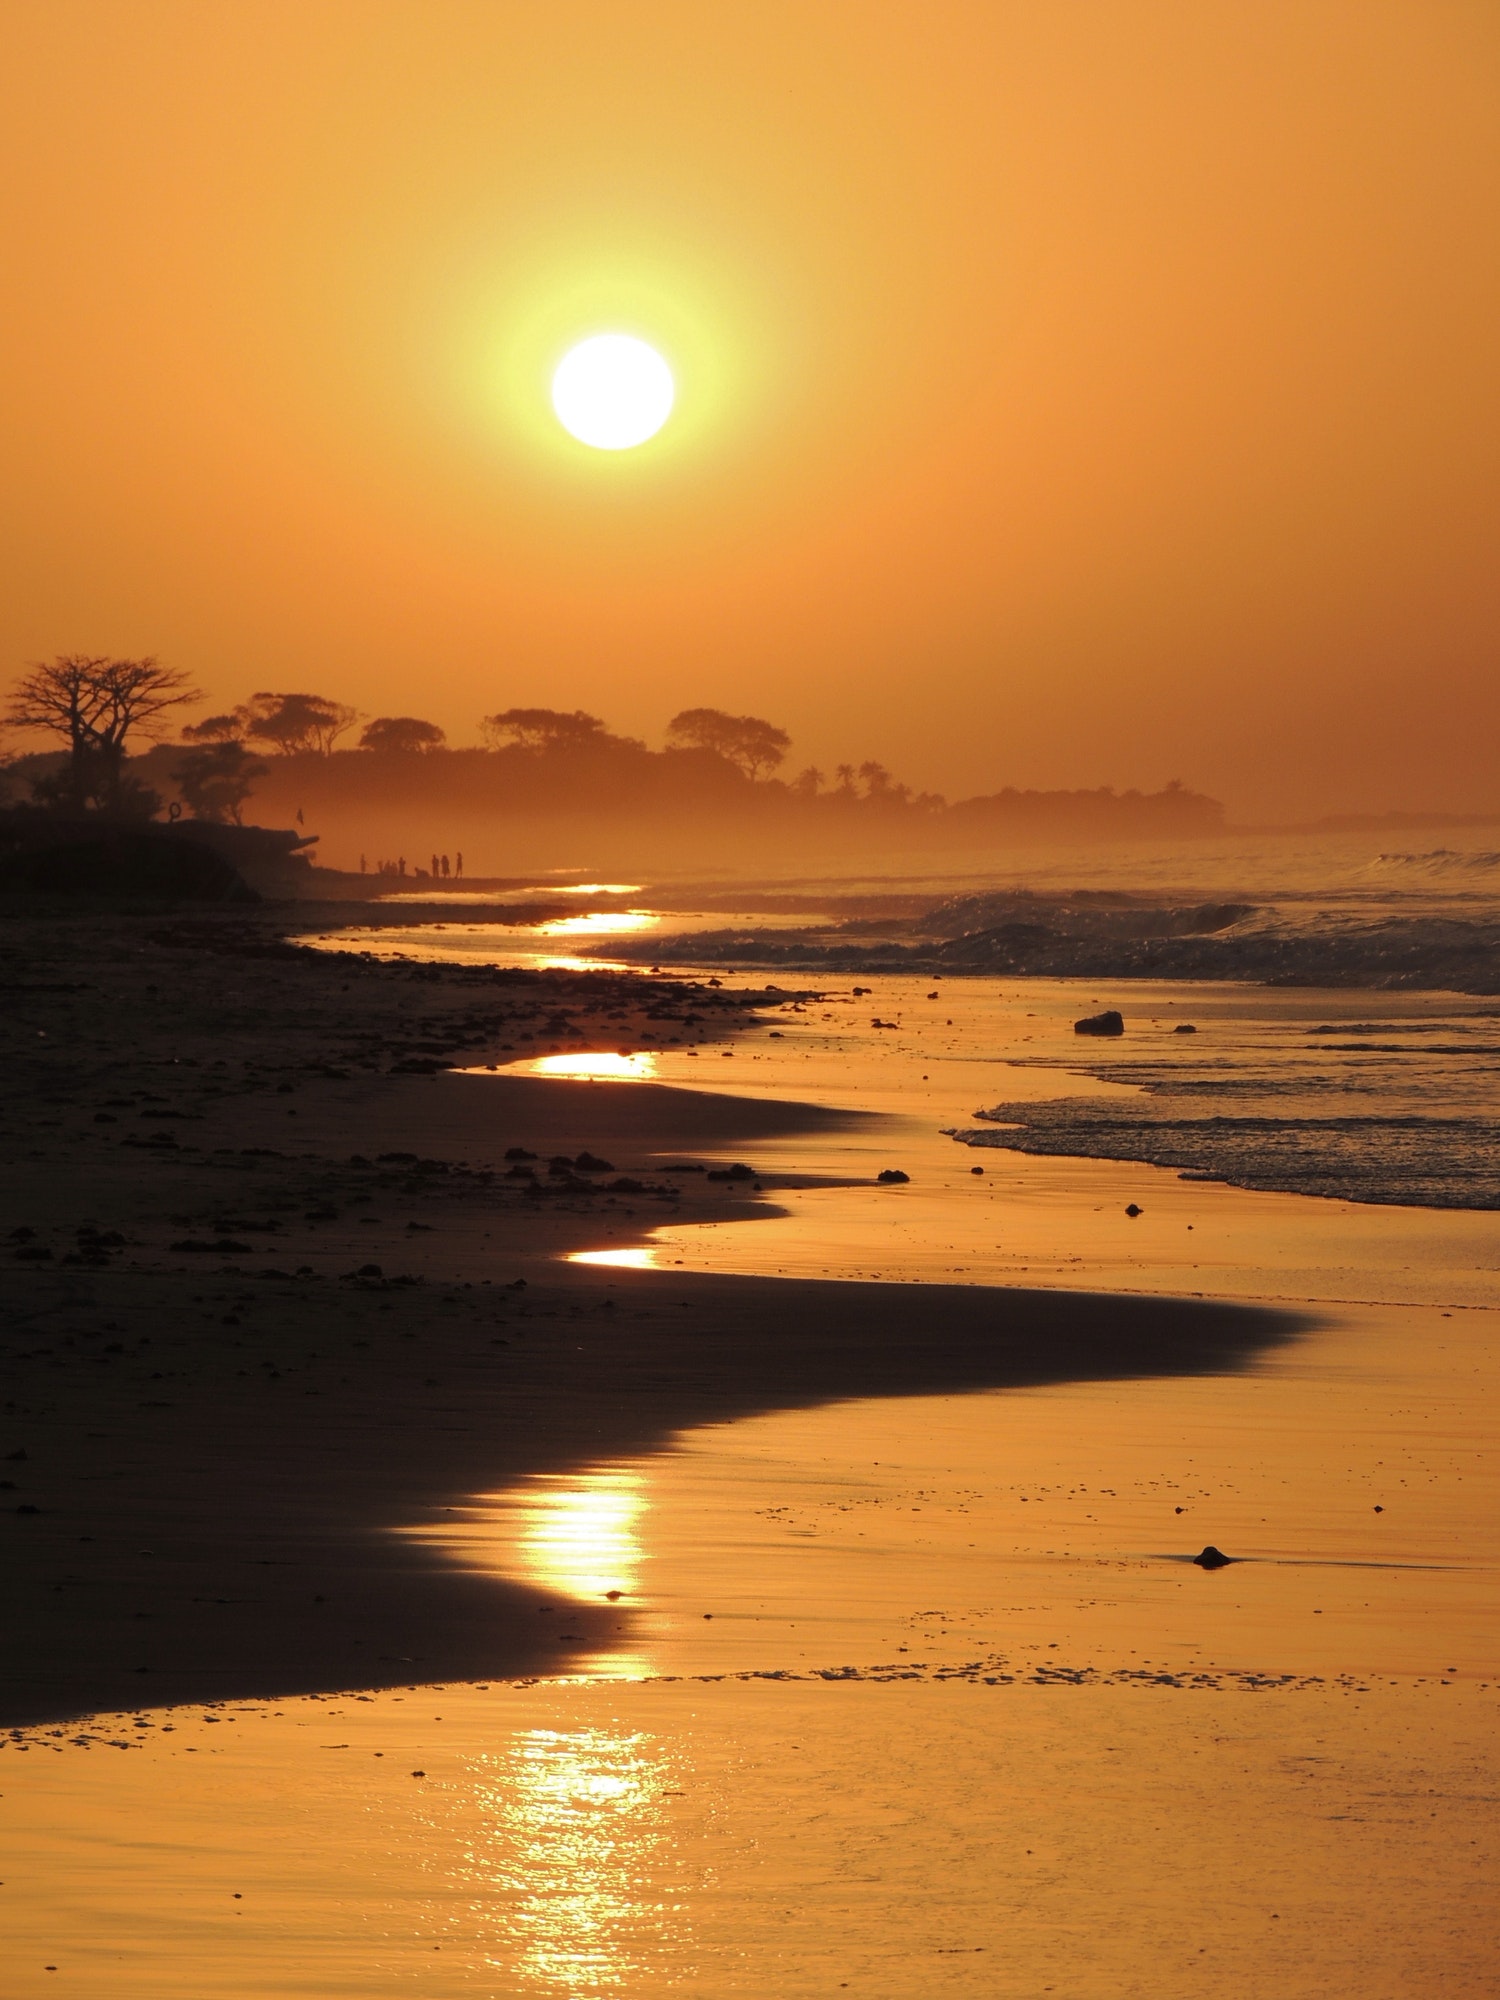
{"x":1064,"y":399}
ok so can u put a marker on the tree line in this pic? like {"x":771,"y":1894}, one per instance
{"x":98,"y":707}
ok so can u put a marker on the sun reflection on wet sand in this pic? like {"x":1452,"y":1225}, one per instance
{"x":605,"y":1065}
{"x":600,"y":923}
{"x":577,"y":1534}
{"x":577,"y":1828}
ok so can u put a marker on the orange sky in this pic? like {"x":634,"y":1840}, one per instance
{"x":1071,"y":392}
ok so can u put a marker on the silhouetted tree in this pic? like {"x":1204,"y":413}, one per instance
{"x":296,"y":722}
{"x":94,"y":702}
{"x":216,"y":729}
{"x":401,"y":733}
{"x":809,"y":782}
{"x":755,"y":746}
{"x":215,"y":781}
{"x":543,"y":729}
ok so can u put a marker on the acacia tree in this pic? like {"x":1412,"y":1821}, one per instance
{"x":402,"y":733}
{"x":543,"y":729}
{"x":756,"y":747}
{"x":216,"y":729}
{"x":295,"y":722}
{"x":94,"y":702}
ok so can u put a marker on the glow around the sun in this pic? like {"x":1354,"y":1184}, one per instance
{"x":612,"y":391}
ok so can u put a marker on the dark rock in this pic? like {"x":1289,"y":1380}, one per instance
{"x":1110,"y":1022}
{"x":1212,"y":1558}
{"x":518,"y":1153}
{"x":1184,"y":1028}
{"x":1132,"y":1209}
{"x":891,"y":1175}
{"x":590,"y":1163}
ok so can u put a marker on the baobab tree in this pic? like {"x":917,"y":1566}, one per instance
{"x":94,"y":702}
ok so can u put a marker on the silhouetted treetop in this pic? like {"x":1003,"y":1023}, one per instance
{"x":296,"y":722}
{"x":397,"y":733}
{"x":94,"y":702}
{"x":215,"y":729}
{"x":543,"y":729}
{"x":757,"y":747}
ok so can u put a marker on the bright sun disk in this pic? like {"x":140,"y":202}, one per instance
{"x":612,"y":391}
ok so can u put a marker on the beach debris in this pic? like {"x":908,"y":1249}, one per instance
{"x":891,"y":1175}
{"x":1133,"y":1209}
{"x":1110,"y":1022}
{"x":1212,"y":1558}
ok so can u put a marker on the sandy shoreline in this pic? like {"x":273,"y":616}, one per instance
{"x":215,"y":1448}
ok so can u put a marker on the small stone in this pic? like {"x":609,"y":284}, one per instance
{"x":1212,"y":1558}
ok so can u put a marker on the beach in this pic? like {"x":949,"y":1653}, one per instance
{"x":601,"y":1580}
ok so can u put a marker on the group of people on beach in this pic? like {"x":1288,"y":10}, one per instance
{"x":441,"y":867}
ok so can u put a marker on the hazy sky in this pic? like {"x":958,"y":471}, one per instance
{"x":1070,"y":391}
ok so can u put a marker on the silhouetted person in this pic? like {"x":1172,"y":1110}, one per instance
{"x":361,"y":864}
{"x":401,"y":865}
{"x":445,"y":867}
{"x":458,"y":865}
{"x":436,"y":871}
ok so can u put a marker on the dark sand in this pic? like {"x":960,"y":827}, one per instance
{"x":204,"y":1450}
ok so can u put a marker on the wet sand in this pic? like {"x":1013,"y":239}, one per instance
{"x":921,"y":1691}
{"x":207,"y":1452}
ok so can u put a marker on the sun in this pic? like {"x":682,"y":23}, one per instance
{"x":612,"y":391}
